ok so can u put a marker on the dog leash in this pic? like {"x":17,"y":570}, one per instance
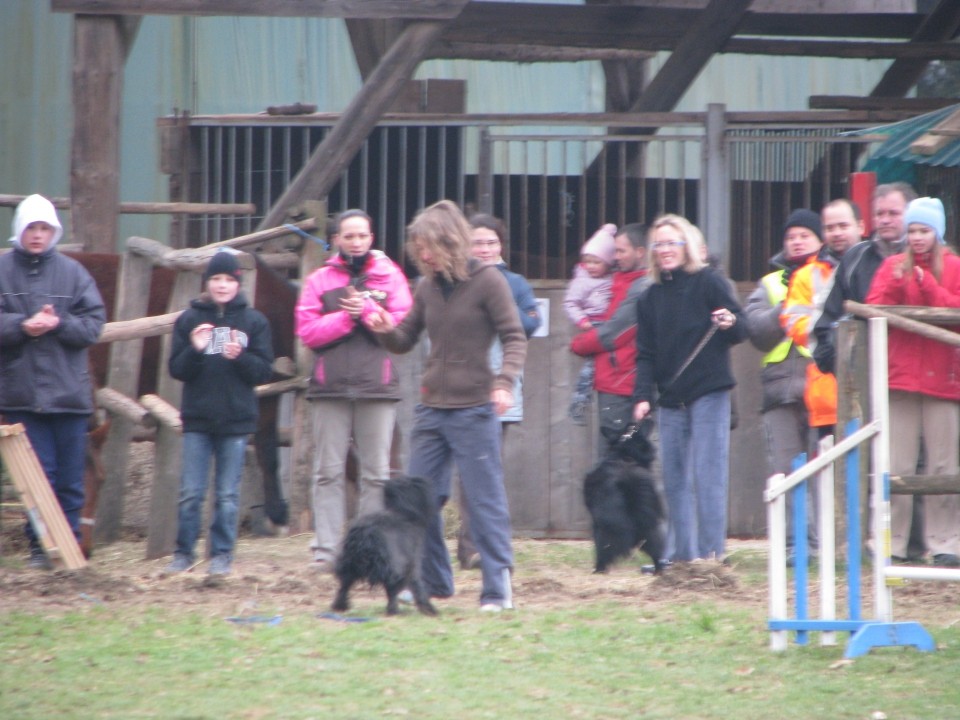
{"x":686,"y":363}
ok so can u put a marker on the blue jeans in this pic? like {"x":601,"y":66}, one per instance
{"x":60,"y":443}
{"x":695,"y":449}
{"x":471,"y":438}
{"x":197,"y":450}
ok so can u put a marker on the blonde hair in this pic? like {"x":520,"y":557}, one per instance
{"x":936,"y":260}
{"x":444,"y":232}
{"x":694,"y":248}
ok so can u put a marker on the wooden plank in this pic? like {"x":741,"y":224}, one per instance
{"x":151,"y":208}
{"x":370,"y":40}
{"x":503,"y":52}
{"x":925,"y":485}
{"x":854,"y":49}
{"x":647,"y":28}
{"x":941,"y":24}
{"x":420,"y":9}
{"x":98,"y":56}
{"x":939,"y":136}
{"x":855,"y":102}
{"x":47,"y":518}
{"x":321,"y":172}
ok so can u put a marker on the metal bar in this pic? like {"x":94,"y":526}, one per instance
{"x":422,"y":167}
{"x":544,"y":217}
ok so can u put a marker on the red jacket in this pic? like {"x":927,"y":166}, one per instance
{"x":616,"y":370}
{"x":918,"y":364}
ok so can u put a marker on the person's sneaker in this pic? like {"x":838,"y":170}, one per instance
{"x":578,"y":411}
{"x":38,"y":560}
{"x":491,"y":608}
{"x":946,"y":560}
{"x":220,"y":565}
{"x":471,"y":563}
{"x":179,"y":564}
{"x":405,"y":597}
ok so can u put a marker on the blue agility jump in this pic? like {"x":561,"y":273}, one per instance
{"x":866,"y":634}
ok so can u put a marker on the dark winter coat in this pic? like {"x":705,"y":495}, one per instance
{"x":218,"y":394}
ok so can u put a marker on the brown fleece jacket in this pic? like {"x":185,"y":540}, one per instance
{"x":461,"y":328}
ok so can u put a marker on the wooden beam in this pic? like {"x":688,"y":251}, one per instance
{"x":864,"y":49}
{"x":855,"y":102}
{"x":530,"y":53}
{"x":150,"y":208}
{"x":98,"y":55}
{"x":370,"y":40}
{"x":646,"y":28}
{"x":941,"y":24}
{"x":321,"y":172}
{"x":713,"y":27}
{"x":421,"y":9}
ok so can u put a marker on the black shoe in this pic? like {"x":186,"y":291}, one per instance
{"x":39,"y":560}
{"x":947,"y":560}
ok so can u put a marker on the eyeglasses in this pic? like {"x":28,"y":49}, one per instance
{"x":660,"y":246}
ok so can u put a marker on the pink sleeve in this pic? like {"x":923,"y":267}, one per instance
{"x":314,"y":327}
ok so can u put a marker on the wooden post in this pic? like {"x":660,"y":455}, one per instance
{"x":301,"y":455}
{"x":98,"y":59}
{"x":123,"y":375}
{"x":853,"y":402}
{"x":162,"y":529}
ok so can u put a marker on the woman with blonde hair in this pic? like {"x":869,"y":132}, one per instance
{"x":687,"y":320}
{"x":924,"y":380}
{"x":462,"y":304}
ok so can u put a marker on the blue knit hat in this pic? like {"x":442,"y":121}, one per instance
{"x":927,"y":211}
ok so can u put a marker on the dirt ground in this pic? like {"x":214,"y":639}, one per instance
{"x":275,"y":575}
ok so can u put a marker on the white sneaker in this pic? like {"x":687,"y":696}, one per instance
{"x":491,"y":608}
{"x":405,"y":596}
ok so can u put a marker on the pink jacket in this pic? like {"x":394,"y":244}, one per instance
{"x":918,"y":364}
{"x":350,"y":362}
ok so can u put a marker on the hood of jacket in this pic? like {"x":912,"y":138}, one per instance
{"x":35,"y":208}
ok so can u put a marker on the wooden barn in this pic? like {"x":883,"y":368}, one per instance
{"x":730,"y":112}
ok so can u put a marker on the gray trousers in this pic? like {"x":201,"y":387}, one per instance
{"x":370,"y":424}
{"x":470,"y":438}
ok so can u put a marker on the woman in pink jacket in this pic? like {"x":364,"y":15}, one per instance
{"x":924,"y":379}
{"x":355,"y":387}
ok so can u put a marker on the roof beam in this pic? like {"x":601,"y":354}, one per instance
{"x":941,"y":24}
{"x":322,"y":170}
{"x":864,"y":50}
{"x":529,"y":53}
{"x":713,"y":27}
{"x":370,"y":9}
{"x":647,"y":28}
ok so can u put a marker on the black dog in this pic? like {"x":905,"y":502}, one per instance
{"x":623,"y":502}
{"x":384,"y":548}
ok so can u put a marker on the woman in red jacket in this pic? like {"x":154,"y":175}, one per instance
{"x":924,"y":379}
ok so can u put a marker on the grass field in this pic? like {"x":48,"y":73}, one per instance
{"x":120,"y":640}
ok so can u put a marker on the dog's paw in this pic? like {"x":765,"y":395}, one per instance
{"x":427,"y":608}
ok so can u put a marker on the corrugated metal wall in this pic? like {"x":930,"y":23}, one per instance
{"x":237,"y":65}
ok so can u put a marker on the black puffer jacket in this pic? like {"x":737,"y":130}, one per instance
{"x":49,"y":373}
{"x":218,"y":395}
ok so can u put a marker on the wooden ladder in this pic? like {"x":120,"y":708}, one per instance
{"x":48,"y":521}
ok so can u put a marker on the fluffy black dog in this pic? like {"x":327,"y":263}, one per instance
{"x":384,"y":548}
{"x":623,"y":502}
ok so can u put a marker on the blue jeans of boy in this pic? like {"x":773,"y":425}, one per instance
{"x":471,"y":438}
{"x":227,"y":451}
{"x":695,"y":450}
{"x":60,"y":443}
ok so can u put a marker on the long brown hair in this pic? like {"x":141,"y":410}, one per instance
{"x":444,"y":232}
{"x":936,"y":260}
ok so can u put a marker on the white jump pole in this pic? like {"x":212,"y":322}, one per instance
{"x":828,"y":545}
{"x":880,"y":402}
